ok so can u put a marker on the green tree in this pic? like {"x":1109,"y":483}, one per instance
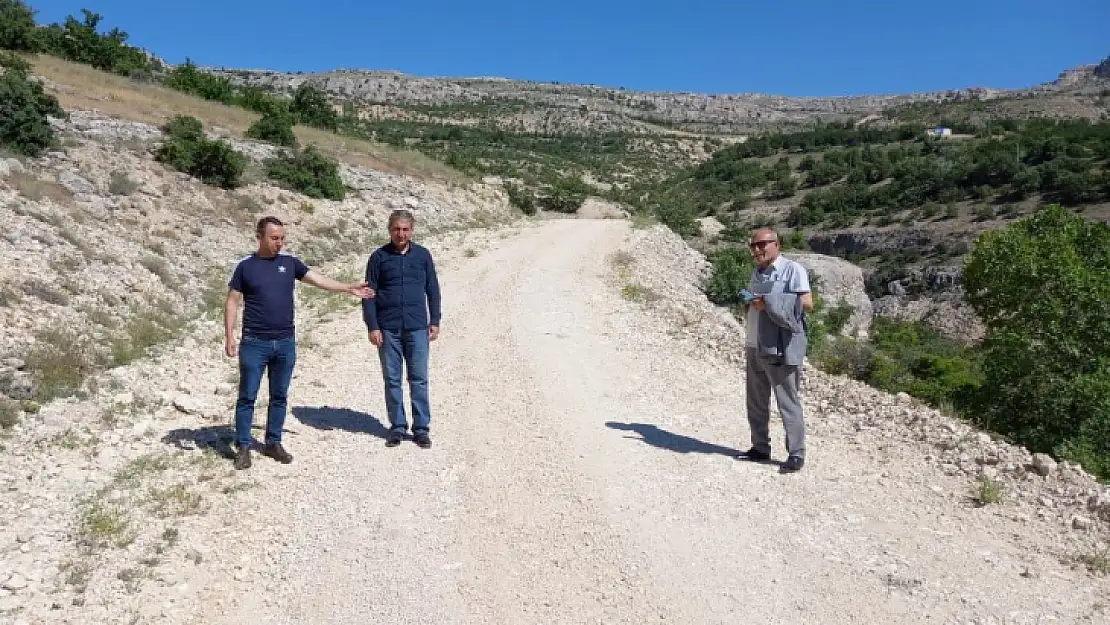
{"x":275,"y":127}
{"x":1041,"y":287}
{"x":186,"y":149}
{"x":732,"y":270}
{"x":311,"y":107}
{"x":79,"y":41}
{"x":309,"y":172}
{"x":25,"y":110}
{"x":17,"y":26}
{"x":188,"y":79}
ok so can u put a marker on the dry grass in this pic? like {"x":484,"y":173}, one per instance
{"x":82,"y":87}
{"x":35,"y":189}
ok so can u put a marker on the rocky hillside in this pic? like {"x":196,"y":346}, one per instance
{"x":529,"y":106}
{"x":107,"y":253}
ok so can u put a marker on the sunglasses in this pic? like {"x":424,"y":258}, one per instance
{"x":760,"y":244}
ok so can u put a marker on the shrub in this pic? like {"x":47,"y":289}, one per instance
{"x":561,"y":200}
{"x":259,"y":101}
{"x":275,"y":127}
{"x":24,"y":110}
{"x":732,"y":270}
{"x":79,"y":41}
{"x":188,"y":79}
{"x":213,"y":162}
{"x":521,"y":199}
{"x":60,"y":359}
{"x":1041,"y":286}
{"x":309,"y":172}
{"x":17,"y":26}
{"x":311,"y":107}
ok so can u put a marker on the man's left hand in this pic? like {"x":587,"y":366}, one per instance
{"x":360,"y":290}
{"x":758,"y":303}
{"x":433,"y":333}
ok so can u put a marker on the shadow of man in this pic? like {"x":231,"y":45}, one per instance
{"x":329,"y":418}
{"x":679,"y":443}
{"x":218,"y":438}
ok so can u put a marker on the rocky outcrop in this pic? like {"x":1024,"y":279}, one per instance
{"x":948,"y":313}
{"x":873,"y":242}
{"x":933,"y":296}
{"x":99,"y":235}
{"x":594,"y":208}
{"x":840,"y":282}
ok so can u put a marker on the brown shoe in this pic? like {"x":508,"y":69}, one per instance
{"x":277,"y":452}
{"x":243,"y":458}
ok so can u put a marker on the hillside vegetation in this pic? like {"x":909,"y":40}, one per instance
{"x":121,"y":222}
{"x":831,"y":176}
{"x":842,"y":176}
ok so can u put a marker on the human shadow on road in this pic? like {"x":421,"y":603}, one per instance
{"x":218,"y":438}
{"x":329,"y":418}
{"x":657,"y":437}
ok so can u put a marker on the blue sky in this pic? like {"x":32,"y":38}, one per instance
{"x":788,"y":47}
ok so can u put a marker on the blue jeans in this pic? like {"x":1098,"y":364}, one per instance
{"x":255,"y":356}
{"x":408,"y":347}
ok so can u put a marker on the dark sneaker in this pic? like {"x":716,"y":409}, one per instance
{"x":423,"y":440}
{"x":792,"y":464}
{"x":754,"y":455}
{"x":277,"y":452}
{"x":243,"y":458}
{"x":393,"y":439}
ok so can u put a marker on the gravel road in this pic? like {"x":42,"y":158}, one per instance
{"x":582,"y":472}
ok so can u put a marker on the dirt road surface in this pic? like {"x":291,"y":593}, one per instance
{"x":582,"y":472}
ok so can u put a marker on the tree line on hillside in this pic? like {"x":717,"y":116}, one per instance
{"x":483,"y":151}
{"x":1041,"y":376}
{"x":80,"y":41}
{"x":26,"y":107}
{"x":848,"y":173}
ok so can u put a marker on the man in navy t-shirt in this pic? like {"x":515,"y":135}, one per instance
{"x":264,"y":282}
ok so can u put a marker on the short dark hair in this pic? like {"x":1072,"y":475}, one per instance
{"x":265,"y":221}
{"x":401,"y":215}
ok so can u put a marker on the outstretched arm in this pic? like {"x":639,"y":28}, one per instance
{"x":358,"y":289}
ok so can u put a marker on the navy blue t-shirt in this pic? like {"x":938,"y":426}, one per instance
{"x":267,"y":286}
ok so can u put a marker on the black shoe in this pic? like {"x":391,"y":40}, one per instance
{"x":792,"y":464}
{"x":394,"y":439}
{"x":754,"y":455}
{"x":243,"y":458}
{"x":277,"y":452}
{"x":423,"y":440}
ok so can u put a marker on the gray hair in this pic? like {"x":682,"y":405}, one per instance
{"x":401,"y":215}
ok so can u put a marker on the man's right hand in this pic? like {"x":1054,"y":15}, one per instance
{"x":231,"y":348}
{"x":376,"y":338}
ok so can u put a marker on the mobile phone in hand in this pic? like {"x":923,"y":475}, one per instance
{"x":747,"y":296}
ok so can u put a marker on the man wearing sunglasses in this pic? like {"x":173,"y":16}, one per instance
{"x":779,"y":293}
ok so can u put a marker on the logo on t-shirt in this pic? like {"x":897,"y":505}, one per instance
{"x":281,"y":268}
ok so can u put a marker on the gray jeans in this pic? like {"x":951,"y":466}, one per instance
{"x":762,"y":380}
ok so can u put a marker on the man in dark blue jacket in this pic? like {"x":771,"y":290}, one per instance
{"x":402,"y":318}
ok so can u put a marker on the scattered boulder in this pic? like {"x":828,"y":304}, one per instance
{"x":593,"y":208}
{"x":840,"y":282}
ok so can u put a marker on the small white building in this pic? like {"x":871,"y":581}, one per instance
{"x":939,"y":131}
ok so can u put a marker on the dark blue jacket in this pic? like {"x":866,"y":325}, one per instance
{"x":406,"y":289}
